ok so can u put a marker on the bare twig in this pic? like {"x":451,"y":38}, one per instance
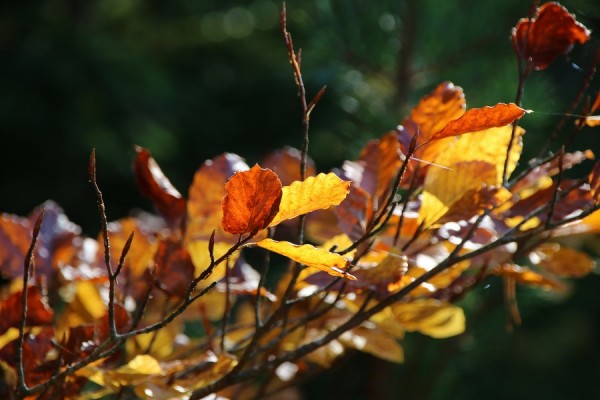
{"x":27,"y":271}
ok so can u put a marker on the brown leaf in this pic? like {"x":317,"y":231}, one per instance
{"x":286,"y":164}
{"x":38,"y":362}
{"x":528,"y":277}
{"x":376,"y":167}
{"x":551,"y":33}
{"x":15,"y":237}
{"x":251,"y":202}
{"x":478,"y":119}
{"x":39,"y":312}
{"x":355,"y":212}
{"x":174,"y":267}
{"x":206,"y":195}
{"x":446,"y":103}
{"x":153,"y":183}
{"x":562,"y":261}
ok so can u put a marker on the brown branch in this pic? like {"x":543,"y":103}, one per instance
{"x":27,"y":271}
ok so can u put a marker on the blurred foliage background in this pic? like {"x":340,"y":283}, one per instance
{"x":192,"y":79}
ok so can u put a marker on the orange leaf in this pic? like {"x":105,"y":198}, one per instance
{"x":478,"y":119}
{"x":592,"y":120}
{"x":562,"y":261}
{"x":528,"y":277}
{"x":251,"y":202}
{"x":153,"y":183}
{"x":332,"y":263}
{"x":551,"y":33}
{"x":446,"y":103}
{"x":314,"y":193}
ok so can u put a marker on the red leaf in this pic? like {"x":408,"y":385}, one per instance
{"x":174,"y":267}
{"x":251,"y":202}
{"x":551,"y":33}
{"x":38,"y":311}
{"x":478,"y":119}
{"x":152,"y":182}
{"x":37,"y":365}
{"x":15,"y":237}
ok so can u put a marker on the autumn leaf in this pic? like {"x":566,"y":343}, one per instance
{"x":479,"y":119}
{"x":311,"y":256}
{"x":562,"y":261}
{"x":153,"y":184}
{"x":286,"y":164}
{"x":375,"y":342}
{"x":550,"y":34}
{"x":430,"y":317}
{"x":529,"y":277}
{"x":472,"y":162}
{"x":444,"y":104}
{"x":174,"y":267}
{"x":39,"y":312}
{"x":251,"y":202}
{"x":314,"y":193}
{"x":376,"y":167}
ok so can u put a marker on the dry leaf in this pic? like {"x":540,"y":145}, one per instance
{"x":311,"y":256}
{"x":314,"y":193}
{"x":479,"y":119}
{"x":562,"y":261}
{"x":153,"y":184}
{"x":251,"y":202}
{"x":551,"y":33}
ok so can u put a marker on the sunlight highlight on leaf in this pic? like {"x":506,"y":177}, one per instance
{"x":311,"y":256}
{"x":251,"y":202}
{"x":314,"y":193}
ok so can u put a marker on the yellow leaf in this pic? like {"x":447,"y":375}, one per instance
{"x":562,"y":261}
{"x":332,"y":263}
{"x":592,"y":120}
{"x":198,"y":250}
{"x":528,"y":277}
{"x":473,"y":162}
{"x":431,"y":317}
{"x":375,"y":342}
{"x":314,"y":193}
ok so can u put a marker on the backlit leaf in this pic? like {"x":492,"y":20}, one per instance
{"x":472,"y":162}
{"x":332,"y":263}
{"x":174,"y":267}
{"x":446,"y":103}
{"x":527,"y":276}
{"x":551,"y":33}
{"x":38,"y":311}
{"x":562,"y":261}
{"x":430,"y":317}
{"x":251,"y":202}
{"x":15,"y":237}
{"x":153,"y":183}
{"x":478,"y":119}
{"x":375,"y":342}
{"x":592,"y":120}
{"x":314,"y":193}
{"x":376,"y":167}
{"x":286,"y":164}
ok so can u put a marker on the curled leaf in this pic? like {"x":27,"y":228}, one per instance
{"x":153,"y":184}
{"x":551,"y":33}
{"x":314,"y":193}
{"x":251,"y":202}
{"x":332,"y":263}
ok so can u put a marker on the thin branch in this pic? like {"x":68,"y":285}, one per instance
{"x":104,"y":228}
{"x":27,"y":271}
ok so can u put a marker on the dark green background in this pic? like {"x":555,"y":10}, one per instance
{"x":190,"y":79}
